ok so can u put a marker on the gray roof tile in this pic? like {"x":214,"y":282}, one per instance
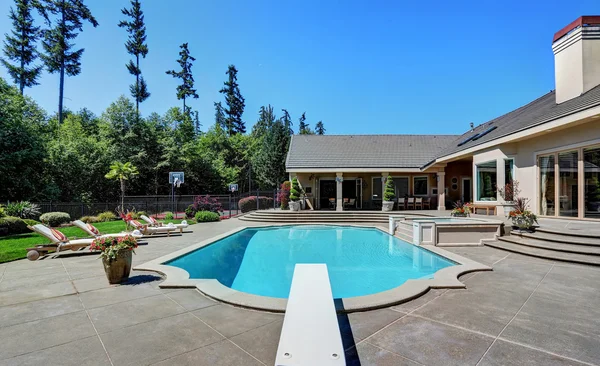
{"x":364,"y":151}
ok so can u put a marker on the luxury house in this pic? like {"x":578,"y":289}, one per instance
{"x":550,"y":145}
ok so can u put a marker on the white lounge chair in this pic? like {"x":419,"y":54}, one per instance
{"x":59,"y":242}
{"x":150,"y":230}
{"x":94,"y":232}
{"x":153,"y":223}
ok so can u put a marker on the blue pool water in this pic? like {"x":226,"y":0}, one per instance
{"x":360,"y":261}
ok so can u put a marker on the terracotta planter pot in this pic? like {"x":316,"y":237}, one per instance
{"x":118,"y":270}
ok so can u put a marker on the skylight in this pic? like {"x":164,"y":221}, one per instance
{"x":481,"y":134}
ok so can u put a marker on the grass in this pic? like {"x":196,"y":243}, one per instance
{"x":14,"y":247}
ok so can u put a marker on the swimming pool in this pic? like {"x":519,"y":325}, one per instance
{"x":360,"y":261}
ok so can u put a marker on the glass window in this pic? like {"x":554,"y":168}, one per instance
{"x":420,"y":186}
{"x":546,"y":164}
{"x":508,"y":170}
{"x":568,"y":187}
{"x":401,"y":186}
{"x":377,"y":188}
{"x":486,"y":181}
{"x":591,"y":167}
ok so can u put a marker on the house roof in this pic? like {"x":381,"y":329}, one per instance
{"x":539,"y":111}
{"x":364,"y":151}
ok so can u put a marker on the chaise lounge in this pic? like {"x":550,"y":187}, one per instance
{"x":152,"y":230}
{"x":59,"y":242}
{"x":153,"y":223}
{"x":94,"y":232}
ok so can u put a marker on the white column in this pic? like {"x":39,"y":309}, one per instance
{"x":441,"y":184}
{"x":339,"y":197}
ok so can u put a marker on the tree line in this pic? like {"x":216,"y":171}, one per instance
{"x":64,"y":157}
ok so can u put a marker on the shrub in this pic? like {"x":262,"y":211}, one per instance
{"x":2,"y":212}
{"x":89,"y":219}
{"x":249,"y":203}
{"x":31,"y":222}
{"x":295,"y":191}
{"x":55,"y":218}
{"x":169,"y":215}
{"x":283,"y":196}
{"x":140,"y":213}
{"x":389,"y":193}
{"x":207,"y":216}
{"x":23,"y":209}
{"x":203,"y":203}
{"x":190,"y":211}
{"x":10,"y":225}
{"x":107,"y":216}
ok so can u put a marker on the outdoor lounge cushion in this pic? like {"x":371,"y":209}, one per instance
{"x":59,"y":236}
{"x":93,"y":229}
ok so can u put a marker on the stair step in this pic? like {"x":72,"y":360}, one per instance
{"x":562,"y":238}
{"x":545,"y":253}
{"x":566,"y":232}
{"x":550,"y":245}
{"x":404,"y":237}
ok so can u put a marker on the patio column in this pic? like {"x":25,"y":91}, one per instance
{"x":441,"y":177}
{"x":338,"y":192}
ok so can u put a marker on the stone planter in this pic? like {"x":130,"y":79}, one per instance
{"x":118,"y":270}
{"x":294,"y":206}
{"x":523,"y":223}
{"x":387,"y":206}
{"x":459,"y":214}
{"x":508,"y":206}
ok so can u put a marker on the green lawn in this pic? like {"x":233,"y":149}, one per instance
{"x":14,"y":246}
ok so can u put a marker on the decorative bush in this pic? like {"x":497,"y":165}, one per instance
{"x":207,"y":216}
{"x":295,"y":191}
{"x":203,"y":203}
{"x":2,"y":211}
{"x":510,"y":192}
{"x":521,"y":216}
{"x":169,"y":215}
{"x":389,"y":194}
{"x":107,"y":216}
{"x":89,"y":219}
{"x":55,"y":218}
{"x":30,"y":222}
{"x":461,"y":208}
{"x":23,"y":209}
{"x":283,"y":196}
{"x":249,"y":203}
{"x":10,"y":225}
{"x":111,"y":247}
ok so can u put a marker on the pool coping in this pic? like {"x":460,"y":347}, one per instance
{"x":444,"y":278}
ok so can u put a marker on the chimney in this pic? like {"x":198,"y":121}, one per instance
{"x":577,"y":58}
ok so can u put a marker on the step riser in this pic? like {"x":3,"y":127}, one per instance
{"x":574,"y":250}
{"x":567,"y":233}
{"x":543,"y":256}
{"x":563,"y":239}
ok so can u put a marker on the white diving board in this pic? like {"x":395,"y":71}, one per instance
{"x":310,"y":334}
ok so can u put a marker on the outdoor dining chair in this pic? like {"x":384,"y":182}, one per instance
{"x":410,"y":203}
{"x":427,"y":203}
{"x":419,"y":203}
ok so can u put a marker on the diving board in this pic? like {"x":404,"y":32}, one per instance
{"x":310,"y":334}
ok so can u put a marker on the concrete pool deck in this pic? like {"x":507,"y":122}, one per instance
{"x":527,"y":311}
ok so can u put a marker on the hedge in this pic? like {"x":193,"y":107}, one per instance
{"x":107,"y":216}
{"x":10,"y":225}
{"x":55,"y":218}
{"x":207,"y":216}
{"x":249,"y":203}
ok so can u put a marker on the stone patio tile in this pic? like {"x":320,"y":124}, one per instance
{"x":411,"y":305}
{"x":117,"y":294}
{"x":231,"y":321}
{"x":559,"y":327}
{"x":36,"y":335}
{"x":82,"y":352}
{"x":432,"y":343}
{"x":157,"y":340}
{"x":25,"y":294}
{"x":34,"y":271}
{"x":482,"y":254}
{"x":191,"y":299}
{"x":133,"y":312}
{"x":92,"y":283}
{"x":222,"y":353}
{"x":11,"y":283}
{"x":34,"y":310}
{"x":261,"y":342}
{"x":575,"y":285}
{"x":80,"y":273}
{"x":366,"y":354}
{"x":506,"y":353}
{"x":360,"y":325}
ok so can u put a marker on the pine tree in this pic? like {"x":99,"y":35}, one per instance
{"x":186,"y":89}
{"x":20,"y":47}
{"x":287,"y":121}
{"x":59,"y":55}
{"x":319,"y":128}
{"x":266,"y":118}
{"x":220,"y":116}
{"x":303,"y":128}
{"x":235,"y":103}
{"x":197,"y":124}
{"x":136,"y":46}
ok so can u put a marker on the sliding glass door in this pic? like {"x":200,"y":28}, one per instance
{"x":591,"y":167}
{"x":568,"y":184}
{"x":546,"y":165}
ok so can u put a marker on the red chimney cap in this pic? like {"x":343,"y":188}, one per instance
{"x":579,"y":22}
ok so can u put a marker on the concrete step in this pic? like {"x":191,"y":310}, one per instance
{"x":545,"y":253}
{"x":560,"y":238}
{"x":405,"y":230}
{"x":402,"y":236}
{"x":550,"y":245}
{"x":575,"y":233}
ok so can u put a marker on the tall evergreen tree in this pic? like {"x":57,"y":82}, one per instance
{"x":302,"y":125}
{"x":136,"y":45}
{"x":220,"y":116}
{"x":287,"y":121}
{"x":319,"y":128}
{"x":186,"y":89}
{"x":235,"y":103}
{"x":266,"y":118}
{"x":20,"y":47}
{"x":59,"y":55}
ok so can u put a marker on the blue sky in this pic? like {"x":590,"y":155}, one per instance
{"x":415,"y":67}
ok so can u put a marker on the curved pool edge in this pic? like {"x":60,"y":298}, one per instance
{"x":176,"y":277}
